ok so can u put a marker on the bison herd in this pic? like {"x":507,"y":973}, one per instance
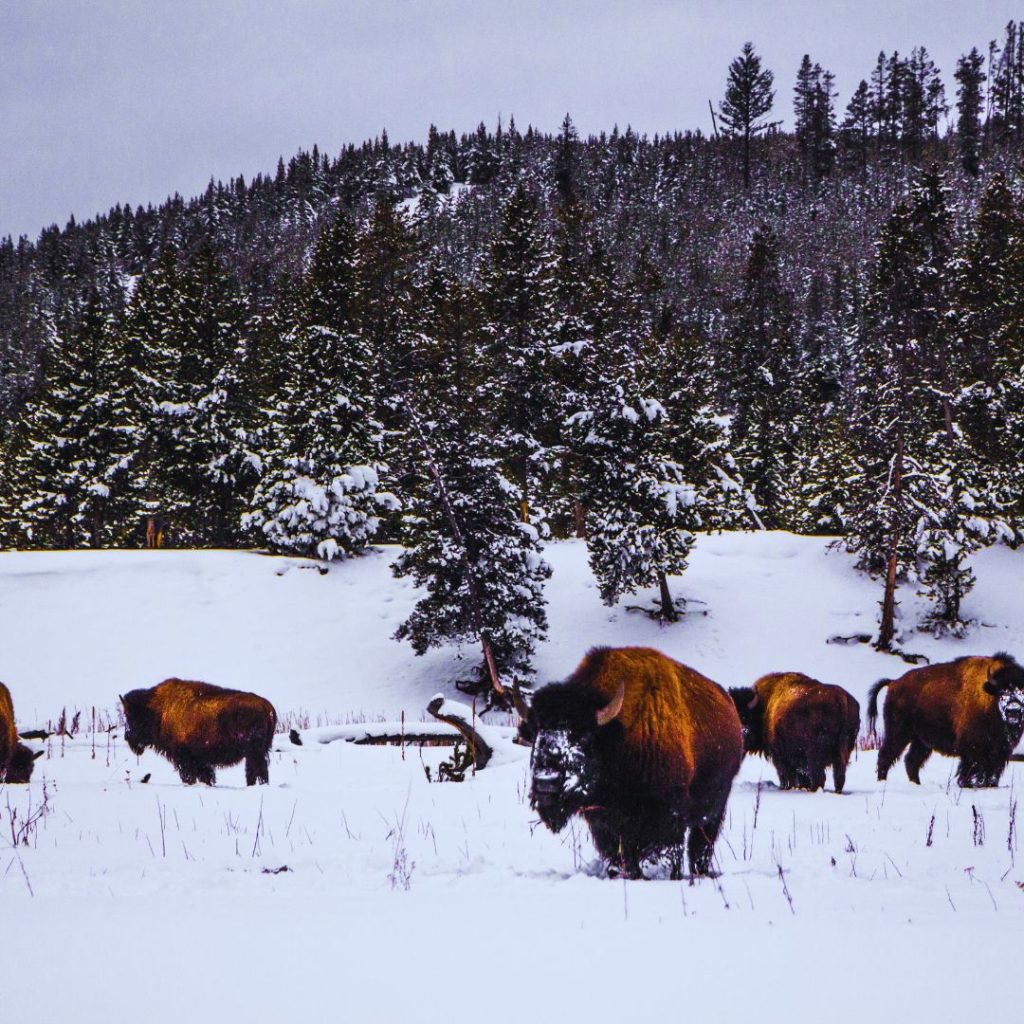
{"x":643,"y":747}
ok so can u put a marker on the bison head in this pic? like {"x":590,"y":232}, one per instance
{"x":1006,"y":684}
{"x":138,"y":731}
{"x":750,"y":710}
{"x":19,"y":768}
{"x":566,"y":723}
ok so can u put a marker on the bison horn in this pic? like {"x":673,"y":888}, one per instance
{"x":753,"y":702}
{"x":613,"y":707}
{"x":38,"y":754}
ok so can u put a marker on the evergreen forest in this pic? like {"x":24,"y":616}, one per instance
{"x":475,"y":344}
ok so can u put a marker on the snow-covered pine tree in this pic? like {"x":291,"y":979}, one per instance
{"x":518,"y":292}
{"x":466,"y":546}
{"x":321,"y":489}
{"x":918,"y":511}
{"x":184,"y":326}
{"x":648,"y":477}
{"x":764,"y":359}
{"x":71,"y":469}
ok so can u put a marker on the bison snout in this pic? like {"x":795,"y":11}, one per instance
{"x":548,"y":785}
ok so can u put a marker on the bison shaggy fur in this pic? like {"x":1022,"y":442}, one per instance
{"x":644,"y":748}
{"x":801,"y":726}
{"x":199,"y":727}
{"x":971,"y":708}
{"x":16,"y":760}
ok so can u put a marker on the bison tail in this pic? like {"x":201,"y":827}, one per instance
{"x":873,"y":702}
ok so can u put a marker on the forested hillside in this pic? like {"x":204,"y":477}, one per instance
{"x":476,"y":343}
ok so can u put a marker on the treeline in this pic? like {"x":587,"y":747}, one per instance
{"x":477,"y":343}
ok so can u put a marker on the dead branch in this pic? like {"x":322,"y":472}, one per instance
{"x":478,"y":747}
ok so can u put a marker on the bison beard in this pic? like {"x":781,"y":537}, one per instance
{"x":645,"y":749}
{"x":199,"y":727}
{"x":801,"y":726}
{"x":971,"y":708}
{"x":16,"y":760}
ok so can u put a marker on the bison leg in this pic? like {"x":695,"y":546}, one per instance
{"x":975,"y":772}
{"x":915,"y":759}
{"x":703,"y":833}
{"x":889,"y":753}
{"x":206,"y":774}
{"x":188,"y":771}
{"x":257,"y":769}
{"x":839,"y":770}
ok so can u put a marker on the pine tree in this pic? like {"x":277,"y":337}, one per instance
{"x":971,"y":77}
{"x":859,"y":126}
{"x":70,"y":471}
{"x":321,"y":491}
{"x":814,"y":117}
{"x":748,"y":99}
{"x":908,"y":497}
{"x":467,"y":547}
{"x":519,"y":331}
{"x":764,"y":368}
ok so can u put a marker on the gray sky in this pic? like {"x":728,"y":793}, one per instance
{"x":104,"y":101}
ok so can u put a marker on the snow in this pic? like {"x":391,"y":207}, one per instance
{"x":410,"y":899}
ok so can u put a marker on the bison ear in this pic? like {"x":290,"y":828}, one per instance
{"x":611,"y":710}
{"x":753,"y":702}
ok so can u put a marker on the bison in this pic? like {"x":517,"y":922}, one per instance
{"x":971,"y":708}
{"x":199,"y":727}
{"x":16,"y":760}
{"x":801,"y":726}
{"x":644,"y":748}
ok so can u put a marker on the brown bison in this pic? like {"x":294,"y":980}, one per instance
{"x":16,"y":760}
{"x":971,"y":708}
{"x":801,"y":726}
{"x":644,"y":748}
{"x":199,"y":727}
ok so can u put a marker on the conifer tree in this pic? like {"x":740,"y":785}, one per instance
{"x":519,"y":331}
{"x":321,"y":492}
{"x":970,"y":78}
{"x":859,"y":126}
{"x":748,"y":99}
{"x":467,"y":547}
{"x":764,"y":368}
{"x":70,"y":470}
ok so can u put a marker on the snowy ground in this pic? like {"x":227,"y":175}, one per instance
{"x":405,"y":899}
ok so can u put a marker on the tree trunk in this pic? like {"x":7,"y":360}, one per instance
{"x":668,"y":608}
{"x":479,"y":750}
{"x":887,"y":627}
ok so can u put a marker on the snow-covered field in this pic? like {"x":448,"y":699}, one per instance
{"x":405,"y":899}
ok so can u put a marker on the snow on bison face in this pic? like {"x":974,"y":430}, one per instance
{"x":563,"y":762}
{"x":1007,"y":686}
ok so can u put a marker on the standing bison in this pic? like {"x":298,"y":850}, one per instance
{"x":971,"y":708}
{"x":644,"y":748}
{"x":801,"y":726}
{"x":16,"y":760}
{"x":200,"y":727}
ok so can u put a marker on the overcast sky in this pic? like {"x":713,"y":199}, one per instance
{"x":105,"y":101}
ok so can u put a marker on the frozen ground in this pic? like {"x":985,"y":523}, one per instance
{"x":409,"y":900}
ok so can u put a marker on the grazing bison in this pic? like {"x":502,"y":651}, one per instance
{"x":199,"y":727}
{"x":644,"y":748}
{"x":801,"y":726}
{"x":971,"y":708}
{"x":16,"y":760}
